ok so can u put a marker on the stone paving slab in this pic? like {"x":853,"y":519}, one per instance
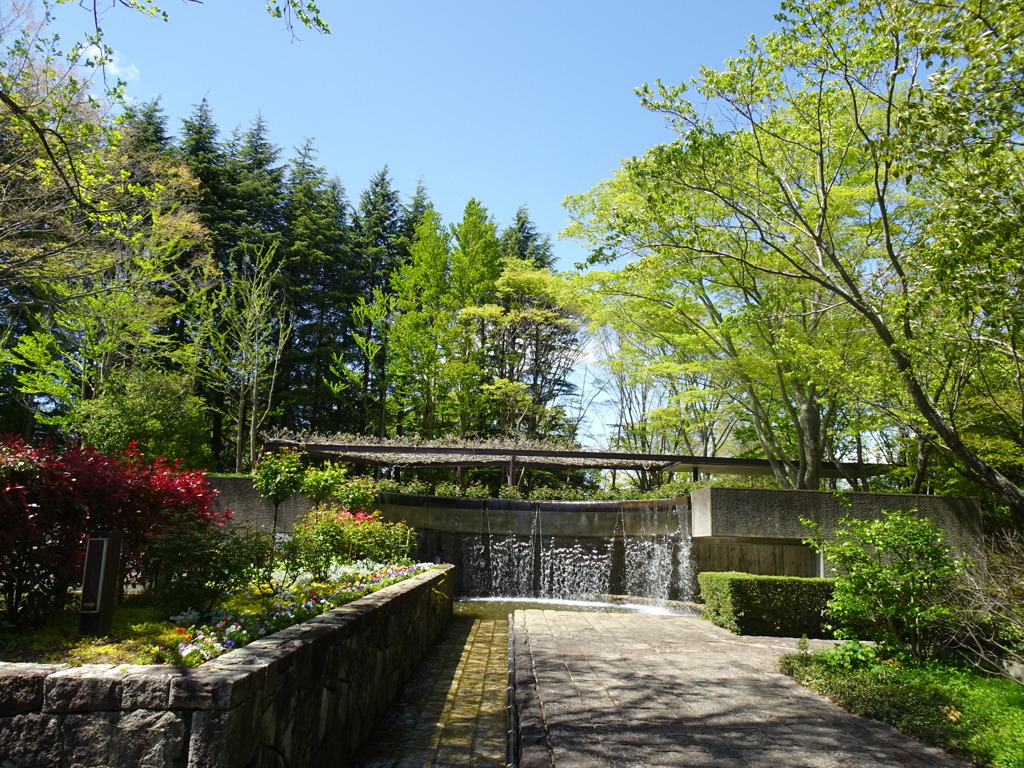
{"x":603,"y":690}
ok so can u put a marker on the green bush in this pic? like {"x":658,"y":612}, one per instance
{"x":896,"y":582}
{"x":780,"y":606}
{"x":322,"y":483}
{"x":509,"y":492}
{"x":194,"y":563}
{"x":475,"y":491}
{"x":416,"y":488}
{"x":446,"y":489}
{"x":359,"y":492}
{"x":332,"y":536}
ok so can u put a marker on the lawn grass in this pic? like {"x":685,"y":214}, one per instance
{"x":963,"y":712}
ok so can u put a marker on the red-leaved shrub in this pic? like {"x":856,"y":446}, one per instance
{"x":52,"y":500}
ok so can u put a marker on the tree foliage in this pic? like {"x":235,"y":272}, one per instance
{"x":894,"y":579}
{"x":859,"y":174}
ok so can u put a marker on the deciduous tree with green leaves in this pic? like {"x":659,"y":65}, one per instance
{"x":874,"y":164}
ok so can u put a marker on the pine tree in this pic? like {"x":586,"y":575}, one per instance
{"x":380,"y":248}
{"x":521,"y":240}
{"x":322,"y":286}
{"x":255,"y":192}
{"x":206,"y":158}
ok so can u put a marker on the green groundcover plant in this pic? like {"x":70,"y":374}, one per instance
{"x":967,"y":713}
{"x":142,"y":633}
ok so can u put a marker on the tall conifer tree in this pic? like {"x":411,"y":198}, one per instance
{"x":322,"y":283}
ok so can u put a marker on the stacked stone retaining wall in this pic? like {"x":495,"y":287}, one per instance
{"x":305,"y":696}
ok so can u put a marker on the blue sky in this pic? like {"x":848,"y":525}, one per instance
{"x":511,"y":103}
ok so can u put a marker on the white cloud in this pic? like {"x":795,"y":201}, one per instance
{"x":112,"y":64}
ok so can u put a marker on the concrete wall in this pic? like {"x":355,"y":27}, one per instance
{"x":757,"y":513}
{"x":749,"y":519}
{"x":573,"y":519}
{"x":305,"y":696}
{"x":238,"y":495}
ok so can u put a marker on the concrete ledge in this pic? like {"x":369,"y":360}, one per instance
{"x":305,"y":696}
{"x":756,"y":513}
{"x":575,"y":519}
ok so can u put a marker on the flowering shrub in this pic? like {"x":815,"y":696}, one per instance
{"x":233,"y":630}
{"x":52,"y":500}
{"x":330,"y":536}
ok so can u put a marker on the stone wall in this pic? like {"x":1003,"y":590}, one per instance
{"x":305,"y":696}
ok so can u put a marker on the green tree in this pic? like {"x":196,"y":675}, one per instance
{"x":535,"y":346}
{"x":420,"y":332}
{"x":522,"y":241}
{"x":254,"y":197}
{"x":319,"y":266}
{"x":155,"y":410}
{"x":276,"y":476}
{"x":824,"y":167}
{"x":380,"y":240}
{"x":240,"y":329}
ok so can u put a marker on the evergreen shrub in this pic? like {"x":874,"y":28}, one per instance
{"x":779,"y":606}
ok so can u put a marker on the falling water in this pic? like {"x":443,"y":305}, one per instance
{"x":647,"y":556}
{"x":574,"y":571}
{"x":648,"y":559}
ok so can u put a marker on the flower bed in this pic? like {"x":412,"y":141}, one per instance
{"x":200,"y":644}
{"x":303,"y":696}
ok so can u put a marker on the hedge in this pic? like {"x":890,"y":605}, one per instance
{"x":778,"y":606}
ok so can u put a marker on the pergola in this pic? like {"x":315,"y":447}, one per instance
{"x":513,"y":456}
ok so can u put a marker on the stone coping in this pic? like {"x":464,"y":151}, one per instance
{"x":220,"y":683}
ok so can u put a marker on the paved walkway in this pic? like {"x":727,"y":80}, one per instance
{"x":601,"y":690}
{"x":451,"y":714}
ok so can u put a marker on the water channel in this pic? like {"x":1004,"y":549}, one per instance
{"x":552,"y":556}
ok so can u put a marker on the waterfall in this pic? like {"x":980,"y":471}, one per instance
{"x":574,"y":571}
{"x":644,"y":553}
